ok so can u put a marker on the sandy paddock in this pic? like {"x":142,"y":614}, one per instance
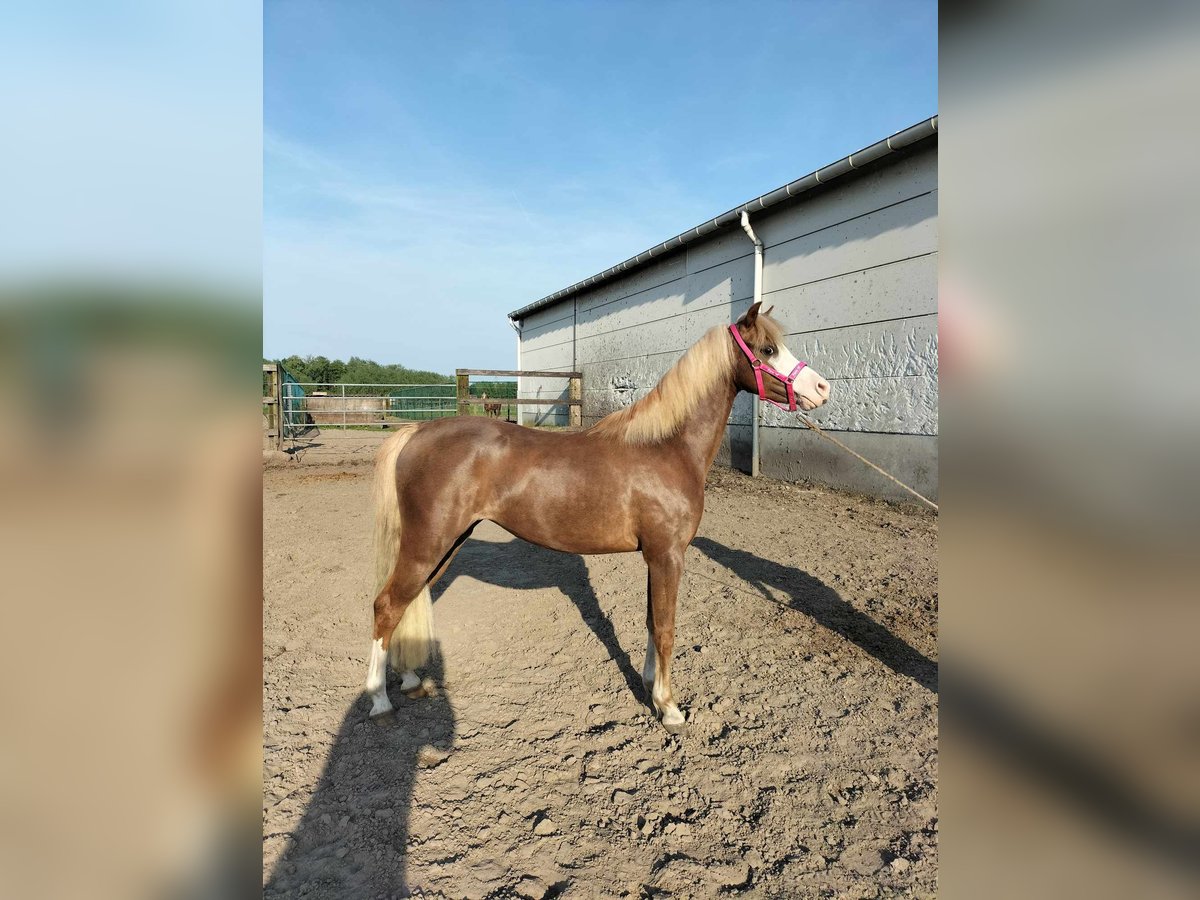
{"x":806,"y":664}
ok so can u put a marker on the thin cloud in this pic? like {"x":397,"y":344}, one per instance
{"x":341,"y":242}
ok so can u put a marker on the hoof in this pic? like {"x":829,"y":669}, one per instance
{"x":674,"y":720}
{"x":383,"y":717}
{"x":425,"y":689}
{"x":409,"y":682}
{"x":677,"y":728}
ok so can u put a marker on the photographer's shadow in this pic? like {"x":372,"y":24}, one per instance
{"x":823,"y":604}
{"x":352,"y":840}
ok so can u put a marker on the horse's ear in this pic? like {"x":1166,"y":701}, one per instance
{"x":768,"y":310}
{"x":750,"y":317}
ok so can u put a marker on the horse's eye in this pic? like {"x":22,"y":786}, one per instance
{"x":768,"y":351}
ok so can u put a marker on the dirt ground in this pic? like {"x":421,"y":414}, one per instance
{"x":806,"y":663}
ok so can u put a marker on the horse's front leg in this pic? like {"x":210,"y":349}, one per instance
{"x":665,"y":570}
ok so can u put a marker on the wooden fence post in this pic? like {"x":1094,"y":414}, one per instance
{"x":575,"y":392}
{"x":269,"y":400}
{"x":274,"y":404}
{"x":462,"y":394}
{"x":279,"y":404}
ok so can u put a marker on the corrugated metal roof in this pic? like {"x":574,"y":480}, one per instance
{"x":923,"y":129}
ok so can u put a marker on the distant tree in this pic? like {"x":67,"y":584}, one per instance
{"x":297,"y":368}
{"x":323,"y":374}
{"x":494,"y":389}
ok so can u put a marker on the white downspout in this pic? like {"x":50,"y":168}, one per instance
{"x":517,"y":329}
{"x":758,"y":266}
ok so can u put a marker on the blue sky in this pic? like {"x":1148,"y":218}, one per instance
{"x":128,"y":155}
{"x":429,"y":167}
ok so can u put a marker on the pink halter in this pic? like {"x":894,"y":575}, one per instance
{"x":760,"y":367}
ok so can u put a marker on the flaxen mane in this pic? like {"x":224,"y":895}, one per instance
{"x":708,"y":363}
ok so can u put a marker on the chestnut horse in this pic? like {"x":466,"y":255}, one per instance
{"x":633,"y":481}
{"x":491,"y":408}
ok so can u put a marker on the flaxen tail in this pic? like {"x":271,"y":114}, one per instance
{"x":413,"y":637}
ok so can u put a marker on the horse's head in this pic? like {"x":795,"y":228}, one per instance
{"x":766,"y":367}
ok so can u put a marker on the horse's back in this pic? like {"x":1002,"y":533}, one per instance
{"x":540,"y":485}
{"x":477,"y":432}
{"x":483,"y":448}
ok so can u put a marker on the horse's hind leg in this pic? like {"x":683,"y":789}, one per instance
{"x":407,"y":582}
{"x":422,"y":560}
{"x":665,"y":570}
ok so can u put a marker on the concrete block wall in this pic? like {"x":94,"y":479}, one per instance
{"x":852,"y":273}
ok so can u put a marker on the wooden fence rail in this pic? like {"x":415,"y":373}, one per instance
{"x":515,"y":401}
{"x":573,"y":401}
{"x":517,"y":374}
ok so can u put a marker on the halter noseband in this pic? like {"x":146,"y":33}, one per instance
{"x":760,"y":367}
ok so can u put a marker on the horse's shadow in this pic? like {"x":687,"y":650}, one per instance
{"x":352,"y":840}
{"x":816,"y":599}
{"x":520,"y":565}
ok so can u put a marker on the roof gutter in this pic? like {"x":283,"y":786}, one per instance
{"x":824,"y":175}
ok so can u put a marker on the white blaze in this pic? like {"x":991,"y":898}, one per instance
{"x":806,"y":381}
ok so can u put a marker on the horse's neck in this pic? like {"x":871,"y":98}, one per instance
{"x":701,"y":433}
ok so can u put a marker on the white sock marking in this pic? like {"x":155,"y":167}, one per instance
{"x":667,"y":708}
{"x":648,"y":667}
{"x":409,"y":681}
{"x":377,"y":679}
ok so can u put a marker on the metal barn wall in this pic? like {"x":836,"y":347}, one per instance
{"x":548,"y":344}
{"x":852,"y":273}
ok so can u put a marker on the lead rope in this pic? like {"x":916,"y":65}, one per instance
{"x":807,"y":421}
